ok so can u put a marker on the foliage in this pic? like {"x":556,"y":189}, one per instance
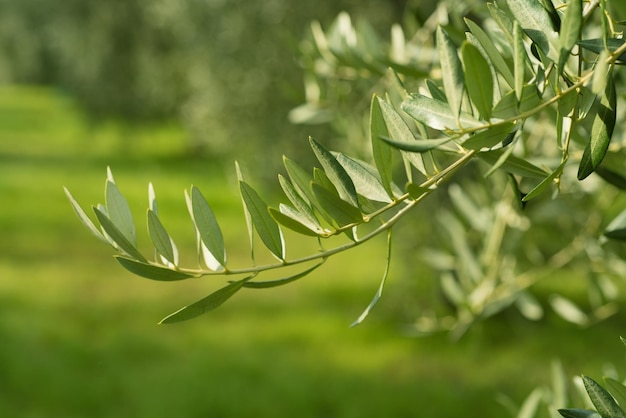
{"x":522,"y":101}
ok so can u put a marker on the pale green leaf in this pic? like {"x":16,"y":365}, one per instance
{"x":338,"y":209}
{"x":519,"y":61}
{"x":84,"y":218}
{"x":601,"y":73}
{"x":207,"y":304}
{"x":117,"y":236}
{"x":509,"y":107}
{"x":539,"y":188}
{"x":601,"y":132}
{"x":152,"y":271}
{"x":418,"y":145}
{"x":300,"y":179}
{"x":298,"y":201}
{"x":207,"y":226}
{"x":160,"y":238}
{"x":294,"y":220}
{"x":502,"y":19}
{"x":490,"y":49}
{"x":365,"y":178}
{"x":436,"y":114}
{"x":536,"y":22}
{"x":568,"y":310}
{"x":336,"y":173}
{"x":570,"y":31}
{"x":246,"y":214}
{"x":479,"y":83}
{"x":451,"y":70}
{"x":617,"y":227}
{"x":380,"y":150}
{"x":617,"y":390}
{"x":119,"y":212}
{"x":152,"y":205}
{"x":265,"y":225}
{"x":280,"y":282}
{"x":531,"y":403}
{"x":602,"y":400}
{"x":528,"y":306}
{"x":490,"y":136}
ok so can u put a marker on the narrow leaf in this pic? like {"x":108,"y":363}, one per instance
{"x":489,"y":137}
{"x":380,"y":151}
{"x":152,"y":271}
{"x":365,"y":178}
{"x":602,"y":400}
{"x":118,"y":212}
{"x":617,"y":390}
{"x":246,"y":214}
{"x":531,"y":403}
{"x":299,"y":178}
{"x":298,"y":201}
{"x":617,"y":228}
{"x":479,"y":83}
{"x":513,"y":164}
{"x":598,"y":45}
{"x":519,"y":61}
{"x":117,"y":236}
{"x":452,"y":72}
{"x":160,"y":238}
{"x":336,"y":173}
{"x":207,"y":304}
{"x":84,"y":218}
{"x":207,"y":226}
{"x":578,"y":413}
{"x":536,"y":22}
{"x":437,"y":114}
{"x":494,"y":55}
{"x":418,"y":145}
{"x":292,"y":219}
{"x":538,"y":189}
{"x":601,"y":132}
{"x":381,"y":286}
{"x":568,"y":310}
{"x":280,"y":282}
{"x":265,"y":225}
{"x":570,"y":31}
{"x":339,"y":210}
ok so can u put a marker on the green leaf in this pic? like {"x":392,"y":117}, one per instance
{"x":509,"y":107}
{"x":418,"y":145}
{"x":160,"y":238}
{"x":381,"y":286}
{"x":617,"y":390}
{"x":207,"y":304}
{"x":570,"y":31}
{"x":118,"y":210}
{"x":578,"y":413}
{"x":338,"y":209}
{"x":365,"y":178}
{"x":568,"y":310}
{"x":380,"y":150}
{"x":299,"y":178}
{"x":437,"y":114}
{"x":336,"y":173}
{"x":265,"y":225}
{"x":519,"y":62}
{"x":84,"y":218}
{"x":435,"y":91}
{"x":601,"y":132}
{"x":601,"y":73}
{"x":152,"y":271}
{"x":294,"y":220}
{"x":298,"y":201}
{"x":617,"y":228}
{"x":531,"y":403}
{"x":538,"y":189}
{"x":490,"y":49}
{"x":536,"y":22}
{"x":207,"y":226}
{"x":246,"y":214}
{"x":489,"y":137}
{"x":502,"y":19}
{"x":399,"y":131}
{"x":479,"y":83}
{"x":512,"y":164}
{"x":452,"y":72}
{"x":602,"y":400}
{"x":597,"y":45}
{"x":612,"y":177}
{"x":117,"y":236}
{"x":280,"y":282}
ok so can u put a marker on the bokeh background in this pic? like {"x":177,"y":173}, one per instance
{"x":173,"y":93}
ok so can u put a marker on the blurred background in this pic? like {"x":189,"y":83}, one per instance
{"x":173,"y":93}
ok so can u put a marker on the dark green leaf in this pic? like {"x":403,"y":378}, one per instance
{"x":380,"y":150}
{"x":513,"y":164}
{"x":207,"y":226}
{"x":538,"y":189}
{"x":452,"y":72}
{"x":597,"y":46}
{"x":338,"y":209}
{"x":612,"y":177}
{"x":415,"y":191}
{"x":617,"y":228}
{"x":84,"y":218}
{"x":118,"y":210}
{"x":494,"y":55}
{"x":489,"y":137}
{"x":336,"y":173}
{"x":601,"y":132}
{"x":437,"y":114}
{"x":152,"y":271}
{"x":479,"y":83}
{"x":602,"y":400}
{"x":570,"y":31}
{"x":418,"y":145}
{"x":160,"y":238}
{"x":536,"y":22}
{"x":578,"y":413}
{"x":265,"y":225}
{"x":117,"y":236}
{"x":279,"y":282}
{"x":207,"y":304}
{"x":435,"y":91}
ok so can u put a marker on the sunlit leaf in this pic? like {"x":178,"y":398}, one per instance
{"x":207,"y":304}
{"x":280,"y":282}
{"x":152,"y":271}
{"x":570,"y":31}
{"x":300,"y":179}
{"x":265,"y":225}
{"x":489,"y":137}
{"x":494,"y":55}
{"x":536,"y":22}
{"x":207,"y":226}
{"x":336,"y":173}
{"x":479,"y":83}
{"x":539,"y":188}
{"x":603,"y":401}
{"x":519,"y":61}
{"x":451,"y":69}
{"x":529,"y":306}
{"x":298,"y":201}
{"x":246,"y":213}
{"x":436,"y":114}
{"x":365,"y":178}
{"x":418,"y":145}
{"x":568,"y":310}
{"x":617,"y":390}
{"x":118,"y":210}
{"x":160,"y":238}
{"x":510,"y":106}
{"x":601,"y":73}
{"x":380,"y":150}
{"x":502,"y":19}
{"x":117,"y":236}
{"x":338,"y":209}
{"x":294,"y":220}
{"x":601,"y":132}
{"x":84,"y":218}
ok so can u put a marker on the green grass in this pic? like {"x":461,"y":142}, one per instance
{"x":78,"y":334}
